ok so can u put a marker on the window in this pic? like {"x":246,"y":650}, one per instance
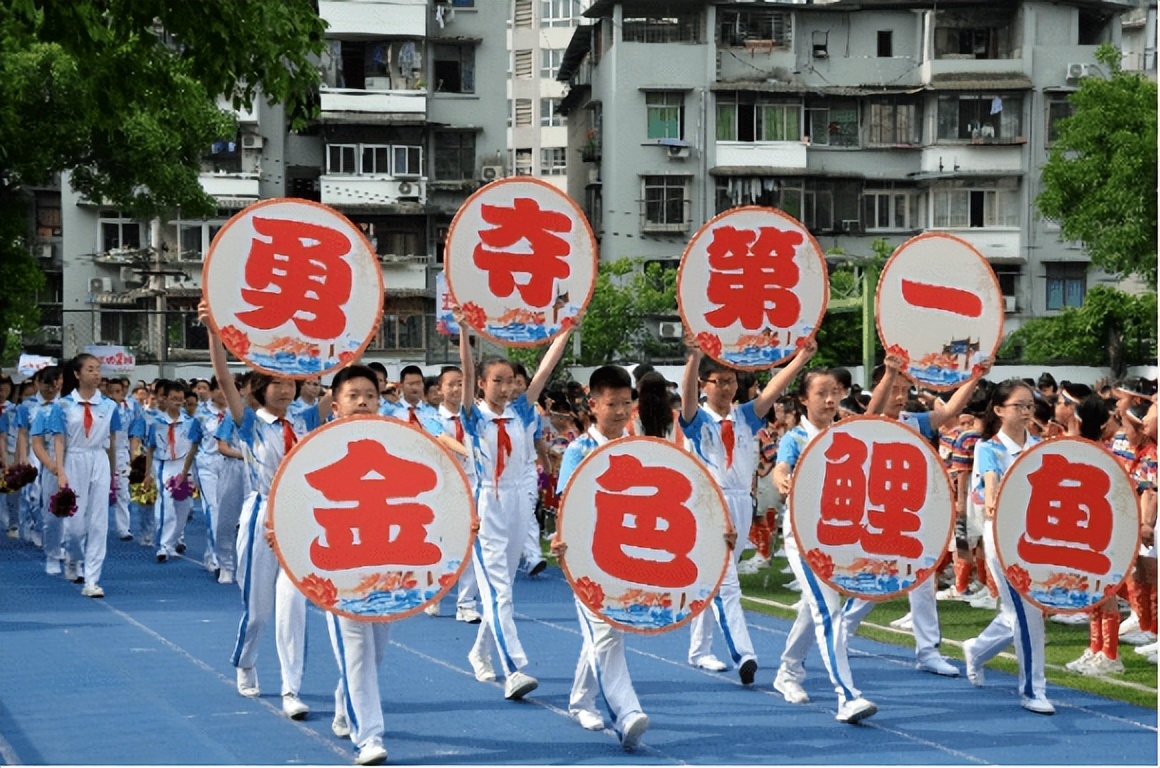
{"x":666,"y":114}
{"x":1066,"y":284}
{"x":683,"y":28}
{"x":523,"y":14}
{"x":974,"y":42}
{"x":890,"y":209}
{"x":985,"y":118}
{"x":833,"y":125}
{"x":523,"y":111}
{"x":401,"y":331}
{"x":375,"y":160}
{"x":743,"y":117}
{"x":550,"y":61}
{"x":407,"y":160}
{"x":559,"y":13}
{"x":118,"y":232}
{"x":523,"y":161}
{"x":1008,"y":276}
{"x":666,"y":207}
{"x":737,"y":26}
{"x":340,"y":158}
{"x":523,"y":64}
{"x":892,"y":123}
{"x":454,"y":156}
{"x":885,"y":43}
{"x":48,"y":218}
{"x":454,"y":68}
{"x":554,"y":161}
{"x":548,"y":115}
{"x":1059,"y":107}
{"x":962,"y":208}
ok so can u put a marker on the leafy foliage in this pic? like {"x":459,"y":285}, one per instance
{"x":1112,"y":328}
{"x":22,"y":279}
{"x":1100,"y":179}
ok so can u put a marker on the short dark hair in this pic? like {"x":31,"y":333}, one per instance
{"x":378,"y":368}
{"x":843,"y":377}
{"x":608,"y":377}
{"x":353,"y":372}
{"x":709,"y":366}
{"x":165,"y":386}
{"x":259,"y":381}
{"x":1046,"y":380}
{"x":410,"y":370}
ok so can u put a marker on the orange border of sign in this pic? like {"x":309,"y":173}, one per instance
{"x":728,"y":527}
{"x":950,"y":510}
{"x":817,"y":249}
{"x":217,"y":329}
{"x":999,"y":495}
{"x":579,"y":215}
{"x":270,"y":511}
{"x":878,"y":298}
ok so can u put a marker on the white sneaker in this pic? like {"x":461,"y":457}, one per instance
{"x":372,"y":753}
{"x":1070,"y":618}
{"x":481,"y":666}
{"x":634,"y":727}
{"x":433,"y":609}
{"x":468,"y":614}
{"x":248,"y":682}
{"x":1076,"y":665}
{"x":225,"y":576}
{"x":52,"y":566}
{"x":855,"y":711}
{"x":92,"y":590}
{"x":746,"y":567}
{"x":589,"y":720}
{"x":974,"y":669}
{"x":1037,"y":705}
{"x":1101,"y":665}
{"x":903,"y":622}
{"x":984,"y":601}
{"x":1130,"y":624}
{"x":339,"y":726}
{"x":519,"y":685}
{"x":790,"y":689}
{"x":35,"y":539}
{"x":710,"y":663}
{"x":294,"y":707}
{"x":950,"y":593}
{"x":936,"y":664}
{"x":793,"y":586}
{"x":1147,"y":650}
{"x":70,"y":570}
{"x":1137,"y":637}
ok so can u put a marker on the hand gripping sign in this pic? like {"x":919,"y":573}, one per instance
{"x":372,"y":518}
{"x":645,"y":527}
{"x":939,"y":307}
{"x":294,"y":289}
{"x":871,"y":507}
{"x":752,"y":287}
{"x":520,"y":261}
{"x":1066,"y":524}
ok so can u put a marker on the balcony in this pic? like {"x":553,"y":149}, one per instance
{"x":760,"y":154}
{"x":371,"y":191}
{"x":1001,"y":246}
{"x":230,"y":186}
{"x":398,"y":18}
{"x":349,"y":105}
{"x":948,"y":161}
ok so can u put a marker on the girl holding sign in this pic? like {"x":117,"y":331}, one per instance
{"x":1005,"y":438}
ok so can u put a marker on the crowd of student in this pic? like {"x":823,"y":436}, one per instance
{"x":137,"y":454}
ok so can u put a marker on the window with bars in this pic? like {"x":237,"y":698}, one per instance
{"x":559,"y":13}
{"x":984,"y":118}
{"x":454,"y":156}
{"x":893,"y":123}
{"x":833,"y":124}
{"x":975,"y":208}
{"x":665,"y":205}
{"x":737,"y":26}
{"x":1066,"y":284}
{"x":554,"y":161}
{"x":744,"y":117}
{"x":1058,"y":108}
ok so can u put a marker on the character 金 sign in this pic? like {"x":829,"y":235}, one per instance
{"x":644,"y":524}
{"x":371,"y":518}
{"x":294,"y":289}
{"x":871,"y":506}
{"x":752,"y":287}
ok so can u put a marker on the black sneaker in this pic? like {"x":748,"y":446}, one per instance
{"x":180,"y":547}
{"x":538,"y":568}
{"x":747,"y":672}
{"x":126,"y":537}
{"x":162,"y":558}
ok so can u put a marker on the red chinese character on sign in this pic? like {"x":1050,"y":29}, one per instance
{"x":1069,"y":517}
{"x":542,"y":259}
{"x":388,"y":533}
{"x":876,"y":509}
{"x":644,"y":508}
{"x":304,"y":265}
{"x":750,"y":277}
{"x":942,"y":297}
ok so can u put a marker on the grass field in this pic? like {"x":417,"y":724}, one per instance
{"x":959,"y":621}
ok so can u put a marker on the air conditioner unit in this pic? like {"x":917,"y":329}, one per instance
{"x":678,"y":153}
{"x":1076,"y":71}
{"x":670,"y":330}
{"x":851,"y":225}
{"x":378,"y":84}
{"x":100,"y":285}
{"x":45,"y":251}
{"x":1009,"y":305}
{"x":131,"y":275}
{"x":491,"y":172}
{"x":51,"y":333}
{"x":406,"y":188}
{"x":252,"y":141}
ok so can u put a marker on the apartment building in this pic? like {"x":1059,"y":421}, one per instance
{"x":864,"y":119}
{"x":412,"y":121}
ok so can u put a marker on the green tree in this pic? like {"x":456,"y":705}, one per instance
{"x":1100,"y":179}
{"x":1112,"y":328}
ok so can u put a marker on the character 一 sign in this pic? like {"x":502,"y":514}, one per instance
{"x":372,"y":518}
{"x":293,"y":288}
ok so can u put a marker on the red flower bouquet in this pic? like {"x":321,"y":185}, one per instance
{"x":179,"y":487}
{"x":63,"y":503}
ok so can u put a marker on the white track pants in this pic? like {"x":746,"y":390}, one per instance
{"x":496,"y":557}
{"x":602,"y":669}
{"x":359,"y":647}
{"x":86,"y":534}
{"x":727,"y":604}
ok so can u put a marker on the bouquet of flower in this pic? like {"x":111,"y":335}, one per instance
{"x":137,"y":469}
{"x":139,"y":494}
{"x":179,"y":487}
{"x":19,"y":475}
{"x":63,"y":503}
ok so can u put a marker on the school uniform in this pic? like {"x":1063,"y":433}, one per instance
{"x":171,"y":439}
{"x":33,"y":518}
{"x":88,"y":425}
{"x":732,"y":465}
{"x":232,"y":491}
{"x":208,"y":469}
{"x":122,"y":519}
{"x":51,"y":531}
{"x":1018,"y":620}
{"x":468,"y":588}
{"x":265,"y":587}
{"x":9,"y":513}
{"x":532,"y":553}
{"x":602,"y":668}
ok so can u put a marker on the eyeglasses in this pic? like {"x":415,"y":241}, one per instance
{"x":1022,"y":407}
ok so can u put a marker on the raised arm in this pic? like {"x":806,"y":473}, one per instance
{"x":548,"y":364}
{"x":217,"y":358}
{"x":466,"y":359}
{"x":958,"y":401}
{"x":690,"y":385}
{"x":881,"y":392}
{"x":782,"y":379}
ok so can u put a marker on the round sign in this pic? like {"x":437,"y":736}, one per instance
{"x":871,"y":507}
{"x":372,"y":518}
{"x":752,"y":287}
{"x":940,"y":308}
{"x":293,"y":287}
{"x":520,"y":261}
{"x":645,"y":527}
{"x":1066,"y":524}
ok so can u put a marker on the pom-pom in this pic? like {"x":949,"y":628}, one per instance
{"x":179,"y":487}
{"x":63,"y":503}
{"x":19,"y":475}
